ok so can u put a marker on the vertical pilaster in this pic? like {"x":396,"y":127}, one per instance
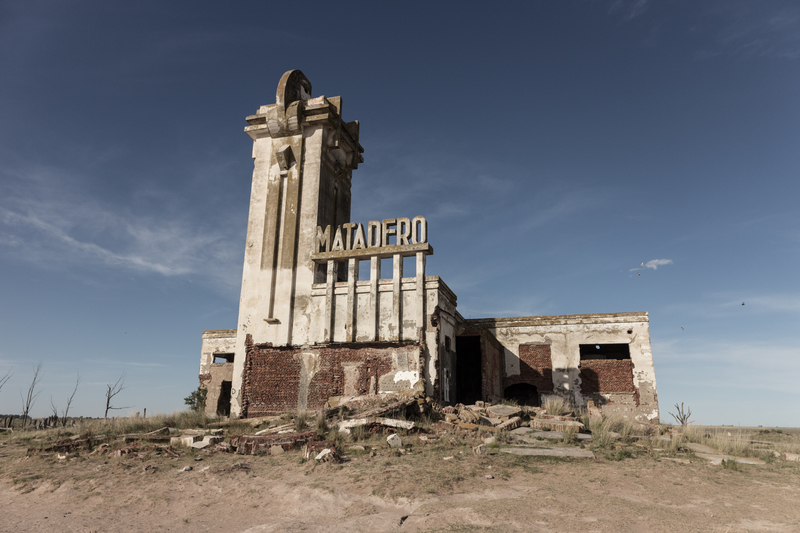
{"x":374,"y":278}
{"x":352,"y":299}
{"x":397,"y":295}
{"x":420,"y":294}
{"x":329,"y":286}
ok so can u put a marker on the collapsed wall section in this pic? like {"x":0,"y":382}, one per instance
{"x":288,"y":378}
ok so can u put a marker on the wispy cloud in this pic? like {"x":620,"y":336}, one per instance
{"x":655,"y":263}
{"x":755,"y":30}
{"x":47,"y":224}
{"x":630,"y":9}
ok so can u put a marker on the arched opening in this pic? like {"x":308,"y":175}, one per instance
{"x":523,"y":393}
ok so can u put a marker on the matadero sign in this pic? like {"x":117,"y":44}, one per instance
{"x":390,"y":236}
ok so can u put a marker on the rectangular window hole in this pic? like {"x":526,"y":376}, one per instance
{"x":605,"y":351}
{"x":223,"y":358}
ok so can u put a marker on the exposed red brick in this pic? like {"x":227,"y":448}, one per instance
{"x":607,"y":375}
{"x":536,"y":367}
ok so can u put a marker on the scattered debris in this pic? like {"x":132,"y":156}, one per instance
{"x":186,"y":469}
{"x":261,"y":444}
{"x":313,"y":448}
{"x":346,"y":425}
{"x":327,"y":455}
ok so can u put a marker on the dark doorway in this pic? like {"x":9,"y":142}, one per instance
{"x":224,"y":403}
{"x":523,"y":393}
{"x":468,"y":370}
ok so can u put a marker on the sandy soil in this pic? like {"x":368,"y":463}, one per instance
{"x":415,"y":492}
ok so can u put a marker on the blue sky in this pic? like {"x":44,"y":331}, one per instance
{"x":554,"y":147}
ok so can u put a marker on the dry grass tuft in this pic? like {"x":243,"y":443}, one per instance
{"x":555,"y":405}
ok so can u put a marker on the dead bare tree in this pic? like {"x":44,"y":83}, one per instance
{"x":30,"y":399}
{"x":5,"y":378}
{"x":113,"y":390}
{"x":682,"y":417}
{"x":53,"y":408}
{"x":65,"y":412}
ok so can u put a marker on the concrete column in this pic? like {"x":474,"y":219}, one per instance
{"x":374,"y":278}
{"x":397,"y":295}
{"x":329,"y":286}
{"x":352,"y":299}
{"x":420,"y":293}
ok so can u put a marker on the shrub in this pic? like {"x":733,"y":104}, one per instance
{"x":197,"y":399}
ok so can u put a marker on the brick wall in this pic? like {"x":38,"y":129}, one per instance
{"x":272,"y":375}
{"x":271,"y":379}
{"x":607,"y":375}
{"x":536,"y":367}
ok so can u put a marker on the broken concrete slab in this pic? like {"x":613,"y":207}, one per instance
{"x":716,"y":459}
{"x":503,"y":411}
{"x":675,"y":460}
{"x":488,"y":421}
{"x":394,"y":441}
{"x":701,"y":448}
{"x":346,"y":425}
{"x":550,"y":452}
{"x":556,"y":425}
{"x":511,"y":423}
{"x":468,"y":416}
{"x":199,"y":445}
{"x":551,"y":435}
{"x":326,"y":455}
{"x":184,"y":440}
{"x":792,"y":457}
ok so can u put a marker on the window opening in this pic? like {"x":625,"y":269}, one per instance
{"x":223,"y":358}
{"x":605,"y":351}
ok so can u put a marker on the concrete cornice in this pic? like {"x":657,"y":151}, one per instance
{"x":218,"y":333}
{"x":599,"y":318}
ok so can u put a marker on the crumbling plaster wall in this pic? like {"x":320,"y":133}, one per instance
{"x":213,"y":374}
{"x":564,"y":334}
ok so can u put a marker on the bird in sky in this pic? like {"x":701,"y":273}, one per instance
{"x":742,"y":303}
{"x":681,"y":328}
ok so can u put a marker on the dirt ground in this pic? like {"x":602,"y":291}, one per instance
{"x":416,"y":491}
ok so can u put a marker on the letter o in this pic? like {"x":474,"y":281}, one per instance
{"x":419,"y":226}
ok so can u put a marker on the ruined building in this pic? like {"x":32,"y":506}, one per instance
{"x":318,"y":318}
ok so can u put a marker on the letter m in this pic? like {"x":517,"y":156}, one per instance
{"x":323,"y":238}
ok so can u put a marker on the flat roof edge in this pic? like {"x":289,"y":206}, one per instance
{"x":219,"y":332}
{"x":637,"y":316}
